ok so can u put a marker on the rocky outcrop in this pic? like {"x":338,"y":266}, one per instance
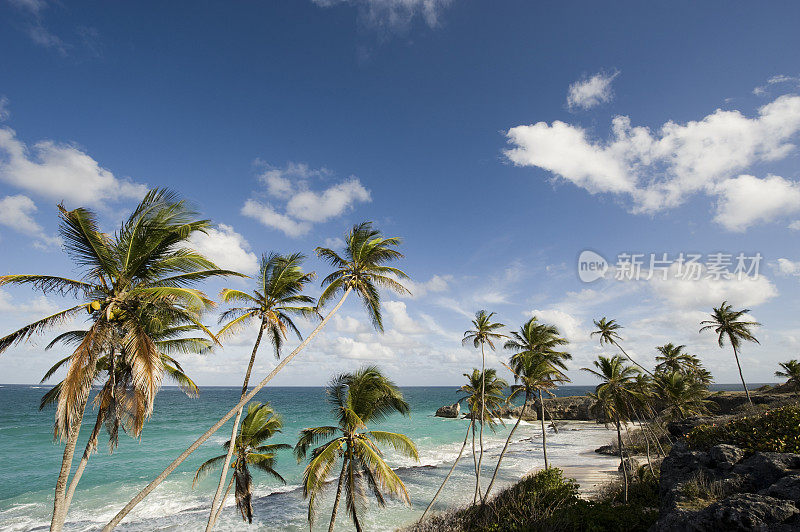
{"x":450,"y":411}
{"x":573,"y":407}
{"x":723,"y":490}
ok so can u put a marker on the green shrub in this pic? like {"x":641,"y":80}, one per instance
{"x":526,"y":505}
{"x":604,"y":516}
{"x":775,"y":430}
{"x":547,"y":502}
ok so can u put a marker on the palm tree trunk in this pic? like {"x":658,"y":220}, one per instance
{"x":483,"y":417}
{"x":503,"y":452}
{"x":474,"y":462}
{"x":632,"y":360}
{"x":91,"y":445}
{"x":466,"y":437}
{"x":621,"y":456}
{"x":222,"y":501}
{"x":224,"y":474}
{"x":544,"y":432}
{"x":214,"y":428}
{"x":338,"y":496}
{"x":741,"y":376}
{"x":59,"y":507}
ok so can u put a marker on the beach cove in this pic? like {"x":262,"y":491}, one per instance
{"x":111,"y":480}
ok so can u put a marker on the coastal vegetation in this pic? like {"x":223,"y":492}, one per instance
{"x":259,"y":425}
{"x":728,"y":324}
{"x":358,"y":398}
{"x":484,"y":332}
{"x":138,"y":292}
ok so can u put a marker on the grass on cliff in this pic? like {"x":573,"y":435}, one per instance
{"x":546,"y":501}
{"x":776,"y":430}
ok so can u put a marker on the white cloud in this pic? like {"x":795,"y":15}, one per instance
{"x":334,"y":243}
{"x":268,"y":216}
{"x":303,"y":206}
{"x":591,"y":92}
{"x":226,"y":248}
{"x":795,"y":225}
{"x":16,"y":212}
{"x":776,"y":80}
{"x":788,"y":267}
{"x":34,"y":6}
{"x":395,"y":15}
{"x":40,"y":305}
{"x":4,"y":112}
{"x":401,"y":321}
{"x":437,"y":283}
{"x":567,"y":324}
{"x":746,"y":200}
{"x":61,"y":172}
{"x":660,"y":171}
{"x":688,"y":293}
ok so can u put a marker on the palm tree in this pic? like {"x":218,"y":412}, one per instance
{"x":482,"y":334}
{"x":483,"y":394}
{"x":681,"y":396}
{"x":142,"y":269}
{"x":672,"y":358}
{"x":278,"y":296}
{"x":122,"y":404}
{"x":535,"y":373}
{"x":259,"y":425}
{"x":790,"y":370}
{"x":614,"y":397}
{"x":727,"y":323}
{"x":607,"y":331}
{"x":362,"y":269}
{"x":357,"y":398}
{"x":542,"y":341}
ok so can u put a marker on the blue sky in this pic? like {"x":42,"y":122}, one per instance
{"x":499,"y":139}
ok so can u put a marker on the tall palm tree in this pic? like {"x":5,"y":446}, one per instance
{"x":118,"y":402}
{"x":483,"y":394}
{"x":614,"y":397}
{"x":542,"y":341}
{"x":259,"y":425}
{"x":681,"y":396}
{"x":607,"y":331}
{"x":727,"y":323}
{"x":362,"y":268}
{"x":535,"y":373}
{"x":142,"y":269}
{"x":790,"y":370}
{"x":277,"y":297}
{"x":358,"y":398}
{"x":672,"y":358}
{"x":484,"y":332}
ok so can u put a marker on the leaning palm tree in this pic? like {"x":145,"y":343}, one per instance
{"x":358,"y":398}
{"x":542,"y":341}
{"x":614,"y":397}
{"x":259,"y":425}
{"x":142,"y":269}
{"x":680,"y":396}
{"x":471,"y":395}
{"x":361,"y":268}
{"x":117,"y":402}
{"x":607,"y":331}
{"x":672,"y":358}
{"x":790,"y":370}
{"x":483,"y":394}
{"x":727,"y":323}
{"x":535,"y":373}
{"x":278,"y":297}
{"x":484,"y":332}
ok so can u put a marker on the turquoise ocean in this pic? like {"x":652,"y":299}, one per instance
{"x":29,"y":461}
